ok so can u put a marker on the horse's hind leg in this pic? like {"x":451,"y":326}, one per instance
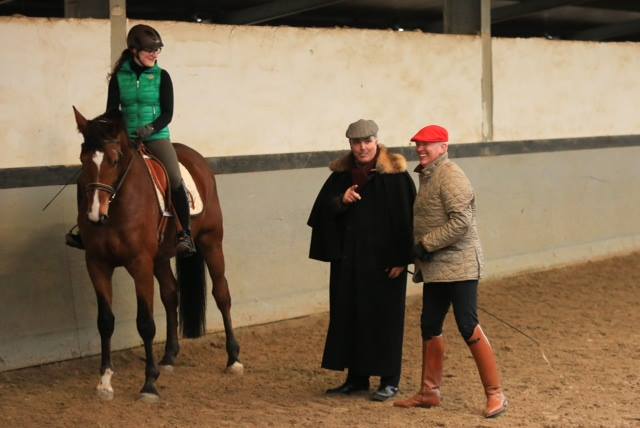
{"x":101,"y":278}
{"x":142,"y":272}
{"x":169,"y":296}
{"x":212,"y":249}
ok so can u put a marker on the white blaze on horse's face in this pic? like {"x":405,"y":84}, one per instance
{"x":94,"y":208}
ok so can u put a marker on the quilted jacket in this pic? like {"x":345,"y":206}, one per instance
{"x":444,"y":220}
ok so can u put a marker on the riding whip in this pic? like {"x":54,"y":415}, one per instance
{"x":73,"y":178}
{"x":544,"y":357}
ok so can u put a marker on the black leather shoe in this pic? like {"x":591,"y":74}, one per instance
{"x":74,"y":240}
{"x":384,"y":393}
{"x":348,"y":388}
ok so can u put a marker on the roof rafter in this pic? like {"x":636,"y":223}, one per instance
{"x":607,"y":32}
{"x":506,"y":13}
{"x":274,"y":10}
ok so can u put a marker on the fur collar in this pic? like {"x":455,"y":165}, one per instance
{"x":387,"y":163}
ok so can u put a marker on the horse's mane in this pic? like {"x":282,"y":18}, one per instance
{"x":102,"y":129}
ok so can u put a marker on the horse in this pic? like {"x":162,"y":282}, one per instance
{"x":121,"y":221}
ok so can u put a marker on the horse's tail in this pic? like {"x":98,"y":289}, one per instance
{"x":193,"y":294}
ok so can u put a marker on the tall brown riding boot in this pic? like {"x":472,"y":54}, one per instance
{"x":432,"y":359}
{"x":488,"y":369}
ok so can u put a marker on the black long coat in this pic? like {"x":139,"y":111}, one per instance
{"x":362,"y":241}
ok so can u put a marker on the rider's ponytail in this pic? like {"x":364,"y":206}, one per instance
{"x":124,"y":56}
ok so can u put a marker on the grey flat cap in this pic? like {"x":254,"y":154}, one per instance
{"x":362,"y":129}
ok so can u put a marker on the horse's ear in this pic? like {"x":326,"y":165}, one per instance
{"x":80,"y":120}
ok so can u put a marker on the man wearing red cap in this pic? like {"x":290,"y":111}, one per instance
{"x":361,"y":223}
{"x":448,"y":260}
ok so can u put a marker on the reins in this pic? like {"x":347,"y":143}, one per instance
{"x":138,"y":149}
{"x":97,"y":185}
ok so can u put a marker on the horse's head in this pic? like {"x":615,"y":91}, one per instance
{"x":105,"y":156}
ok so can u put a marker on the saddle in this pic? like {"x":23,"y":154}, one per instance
{"x":160,"y":180}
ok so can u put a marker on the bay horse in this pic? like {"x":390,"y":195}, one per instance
{"x":119,"y":218}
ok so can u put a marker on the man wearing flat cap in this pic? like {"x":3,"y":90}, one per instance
{"x":361,"y":223}
{"x":448,"y":260}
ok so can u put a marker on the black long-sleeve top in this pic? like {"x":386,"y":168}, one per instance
{"x":166,"y":96}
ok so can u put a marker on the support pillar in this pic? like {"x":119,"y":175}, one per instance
{"x":118,"y":18}
{"x":86,"y":8}
{"x":487,"y":72}
{"x":461,"y":16}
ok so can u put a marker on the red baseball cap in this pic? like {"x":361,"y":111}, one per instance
{"x":431,"y":134}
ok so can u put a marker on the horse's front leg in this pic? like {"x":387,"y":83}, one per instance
{"x":169,"y":296}
{"x":142,"y":272}
{"x":100,"y":274}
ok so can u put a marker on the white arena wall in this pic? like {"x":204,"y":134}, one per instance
{"x":276,"y":90}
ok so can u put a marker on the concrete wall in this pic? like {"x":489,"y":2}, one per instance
{"x":551,"y":89}
{"x":240,"y":90}
{"x":261,"y":90}
{"x":256,"y":90}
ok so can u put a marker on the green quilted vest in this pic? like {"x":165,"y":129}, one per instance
{"x":140,"y":99}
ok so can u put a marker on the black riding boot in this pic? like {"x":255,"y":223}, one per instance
{"x":74,"y":239}
{"x":184,"y":245}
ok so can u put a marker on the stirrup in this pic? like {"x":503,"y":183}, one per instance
{"x":74,"y":240}
{"x":185,"y":246}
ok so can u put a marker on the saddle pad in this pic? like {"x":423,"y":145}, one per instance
{"x":158,"y":174}
{"x":195,"y":200}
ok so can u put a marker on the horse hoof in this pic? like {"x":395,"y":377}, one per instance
{"x":104,"y":388}
{"x":168,"y":368}
{"x":147,"y":397}
{"x":104,"y":394}
{"x":235,"y":369}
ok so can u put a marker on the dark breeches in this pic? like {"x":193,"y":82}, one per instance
{"x":164,"y":151}
{"x":436,"y":299}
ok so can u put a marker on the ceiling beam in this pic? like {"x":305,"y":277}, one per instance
{"x":607,"y":32}
{"x":523,"y":8}
{"x":273,"y":10}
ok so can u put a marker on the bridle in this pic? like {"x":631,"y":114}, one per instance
{"x":110,"y":189}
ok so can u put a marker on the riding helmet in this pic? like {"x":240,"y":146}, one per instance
{"x":144,"y":37}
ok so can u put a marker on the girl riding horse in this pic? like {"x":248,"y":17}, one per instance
{"x":120,"y":221}
{"x":143,"y":92}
